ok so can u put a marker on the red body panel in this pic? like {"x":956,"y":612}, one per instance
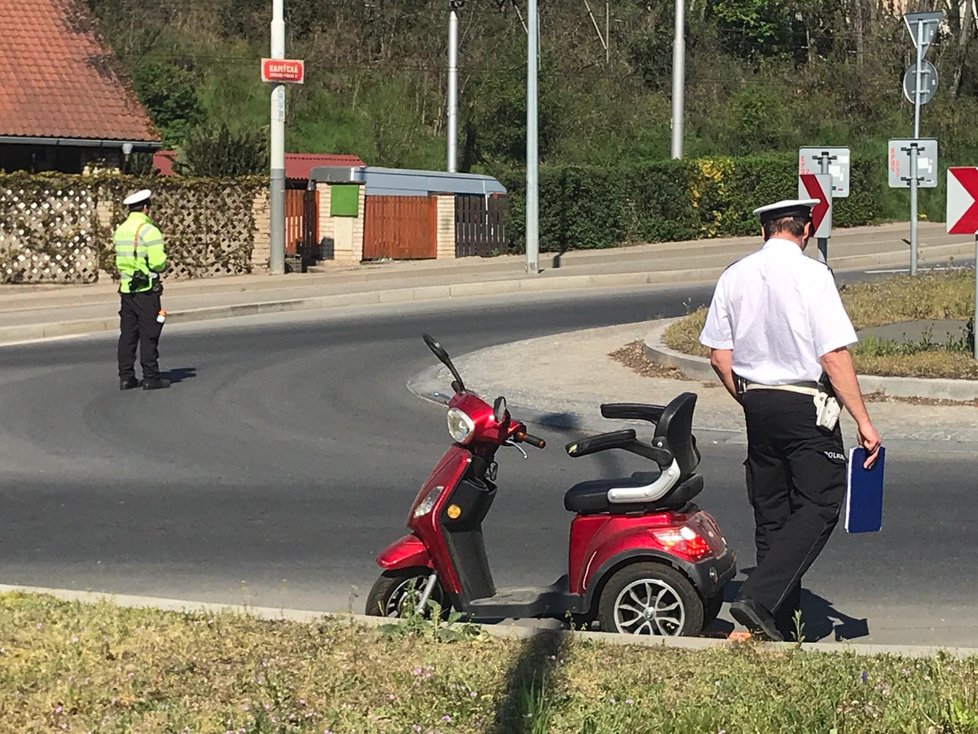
{"x":447,"y":474}
{"x":595,"y":539}
{"x":408,"y":552}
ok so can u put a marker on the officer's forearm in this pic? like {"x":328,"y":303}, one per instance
{"x":721,"y":360}
{"x":842,"y":374}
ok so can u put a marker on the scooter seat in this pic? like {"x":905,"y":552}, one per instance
{"x":591,"y":497}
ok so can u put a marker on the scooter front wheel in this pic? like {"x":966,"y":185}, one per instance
{"x":397,"y":593}
{"x":650,"y":599}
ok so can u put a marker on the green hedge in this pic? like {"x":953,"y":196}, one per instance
{"x":584,"y":208}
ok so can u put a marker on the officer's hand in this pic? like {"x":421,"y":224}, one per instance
{"x":870,"y":440}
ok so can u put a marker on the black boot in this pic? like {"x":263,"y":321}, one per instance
{"x":128,"y":383}
{"x":157,"y":383}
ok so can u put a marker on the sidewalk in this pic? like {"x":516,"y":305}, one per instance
{"x":564,"y":378}
{"x":36,"y":312}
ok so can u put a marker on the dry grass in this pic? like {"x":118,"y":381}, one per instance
{"x":101,"y":668}
{"x":937,"y":295}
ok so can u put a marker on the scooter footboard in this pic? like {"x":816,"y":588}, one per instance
{"x":408,"y":552}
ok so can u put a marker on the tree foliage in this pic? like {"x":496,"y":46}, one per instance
{"x":762,"y":76}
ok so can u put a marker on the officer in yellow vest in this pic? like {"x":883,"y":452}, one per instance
{"x":140,"y":258}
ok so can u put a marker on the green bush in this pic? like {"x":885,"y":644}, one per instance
{"x":590,"y":207}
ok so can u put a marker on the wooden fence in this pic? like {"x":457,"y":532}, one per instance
{"x":400,"y":227}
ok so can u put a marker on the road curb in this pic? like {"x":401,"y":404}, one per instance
{"x":901,"y":387}
{"x":543,"y":283}
{"x":497,"y":631}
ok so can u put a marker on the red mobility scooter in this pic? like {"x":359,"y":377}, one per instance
{"x":643,"y":559}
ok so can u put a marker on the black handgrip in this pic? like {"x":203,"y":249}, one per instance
{"x":632,"y":411}
{"x":532,"y":440}
{"x":601,"y":442}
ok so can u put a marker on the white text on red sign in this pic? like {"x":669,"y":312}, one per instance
{"x":283,"y":70}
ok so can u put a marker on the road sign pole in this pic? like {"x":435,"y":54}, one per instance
{"x":276,"y":192}
{"x":532,"y":162}
{"x":913,"y":208}
{"x":914,"y":150}
{"x":974,"y":313}
{"x":823,"y":242}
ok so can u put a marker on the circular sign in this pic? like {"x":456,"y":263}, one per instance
{"x":928,"y":82}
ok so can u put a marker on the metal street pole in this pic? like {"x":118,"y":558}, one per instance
{"x":678,"y":79}
{"x":276,"y":194}
{"x":453,"y":86}
{"x":974,"y":313}
{"x":532,"y":163}
{"x":823,"y":242}
{"x":914,"y":151}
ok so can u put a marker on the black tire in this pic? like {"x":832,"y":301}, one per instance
{"x":711,"y":609}
{"x":388,"y":595}
{"x":680,"y":612}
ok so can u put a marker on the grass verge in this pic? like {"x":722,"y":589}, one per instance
{"x":101,"y":668}
{"x":936,"y":295}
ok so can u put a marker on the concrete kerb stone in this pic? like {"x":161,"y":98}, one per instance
{"x":902,"y":387}
{"x":498,"y":631}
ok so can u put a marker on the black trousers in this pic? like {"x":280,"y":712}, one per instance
{"x":138,"y":327}
{"x":796,"y":482}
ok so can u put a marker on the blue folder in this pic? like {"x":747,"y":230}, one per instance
{"x":864,"y":495}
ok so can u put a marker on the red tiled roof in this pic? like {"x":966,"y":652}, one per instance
{"x":57,"y":79}
{"x":297,"y":165}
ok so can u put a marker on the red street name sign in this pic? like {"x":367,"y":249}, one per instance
{"x":283,"y":71}
{"x":962,"y":200}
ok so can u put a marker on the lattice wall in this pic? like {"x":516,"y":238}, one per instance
{"x":48,"y":233}
{"x":58,"y":228}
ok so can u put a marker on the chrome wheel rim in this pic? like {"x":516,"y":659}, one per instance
{"x":649,"y":607}
{"x":414,"y":586}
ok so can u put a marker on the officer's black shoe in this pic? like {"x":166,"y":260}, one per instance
{"x":128,"y":383}
{"x":159,"y":383}
{"x":757,"y":619}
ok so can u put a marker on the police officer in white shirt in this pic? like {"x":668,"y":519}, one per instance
{"x":775,"y":328}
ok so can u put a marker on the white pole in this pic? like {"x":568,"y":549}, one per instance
{"x":452,"y":89}
{"x":914,"y":151}
{"x":532,"y":163}
{"x":678,"y":78}
{"x":276,"y":194}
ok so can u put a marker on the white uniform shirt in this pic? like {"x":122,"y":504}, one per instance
{"x":779,"y":311}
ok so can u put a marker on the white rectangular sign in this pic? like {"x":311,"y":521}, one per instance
{"x":898,"y":163}
{"x":834,"y":161}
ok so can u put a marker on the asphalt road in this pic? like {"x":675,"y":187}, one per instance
{"x":288,"y":451}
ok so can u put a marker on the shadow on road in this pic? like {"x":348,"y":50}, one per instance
{"x":179,"y":374}
{"x":819,"y":616}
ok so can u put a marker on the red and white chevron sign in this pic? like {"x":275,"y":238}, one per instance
{"x":818,"y":186}
{"x":962,"y":200}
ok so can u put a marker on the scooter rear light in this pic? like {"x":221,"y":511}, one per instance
{"x":684,"y":542}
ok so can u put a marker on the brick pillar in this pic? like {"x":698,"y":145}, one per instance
{"x":446,"y":227}
{"x":345,"y":232}
{"x":261,"y":235}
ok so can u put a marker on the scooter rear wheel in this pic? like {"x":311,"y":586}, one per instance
{"x":650,"y":599}
{"x":391,"y":594}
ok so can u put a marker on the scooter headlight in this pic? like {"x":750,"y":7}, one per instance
{"x":425,"y":505}
{"x":460,"y":426}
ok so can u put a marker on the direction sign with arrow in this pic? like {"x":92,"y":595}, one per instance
{"x":962,"y":200}
{"x":818,"y":186}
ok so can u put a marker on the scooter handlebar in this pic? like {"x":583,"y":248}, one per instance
{"x":524,"y":437}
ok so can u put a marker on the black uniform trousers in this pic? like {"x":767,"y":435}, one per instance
{"x":796,"y":483}
{"x":138,"y":326}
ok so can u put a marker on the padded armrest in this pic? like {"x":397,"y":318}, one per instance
{"x":602,"y":442}
{"x":632,"y":411}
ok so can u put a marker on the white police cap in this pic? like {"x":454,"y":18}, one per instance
{"x":139,"y":197}
{"x":786,"y":208}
